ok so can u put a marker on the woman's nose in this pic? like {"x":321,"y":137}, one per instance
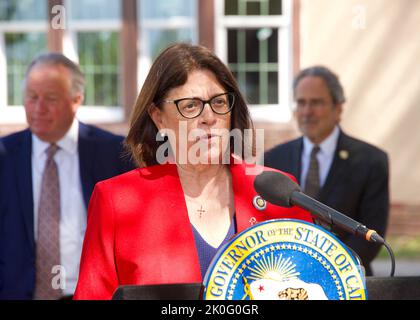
{"x":208,"y":116}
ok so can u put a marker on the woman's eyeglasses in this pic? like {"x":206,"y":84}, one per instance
{"x":192,"y":107}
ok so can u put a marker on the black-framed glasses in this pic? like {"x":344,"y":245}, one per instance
{"x":192,"y":107}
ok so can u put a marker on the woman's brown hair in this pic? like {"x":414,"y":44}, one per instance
{"x":170,"y":70}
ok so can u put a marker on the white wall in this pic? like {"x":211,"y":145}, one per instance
{"x":374,"y":46}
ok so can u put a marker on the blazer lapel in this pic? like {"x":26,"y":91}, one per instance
{"x":296,"y":163}
{"x":23,"y":170}
{"x":338,"y":167}
{"x":239,"y":190}
{"x":244,"y":193}
{"x":171,"y":218}
{"x":86,"y":151}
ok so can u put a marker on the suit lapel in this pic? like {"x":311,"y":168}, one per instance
{"x":23,"y":170}
{"x":86,"y":151}
{"x":338,"y":167}
{"x":296,"y":163}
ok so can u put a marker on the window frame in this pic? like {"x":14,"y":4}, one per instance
{"x":282,"y":111}
{"x":87,"y":113}
{"x":145,"y":25}
{"x":14,"y":114}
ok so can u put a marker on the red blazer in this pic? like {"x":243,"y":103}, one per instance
{"x":138,"y":230}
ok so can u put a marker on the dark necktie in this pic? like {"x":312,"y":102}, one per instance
{"x":312,"y":184}
{"x":48,"y":241}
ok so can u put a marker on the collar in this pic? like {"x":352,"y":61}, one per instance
{"x":68,"y":143}
{"x":327,"y":146}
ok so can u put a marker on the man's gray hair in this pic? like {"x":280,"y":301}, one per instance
{"x":330,"y":78}
{"x":54,"y":58}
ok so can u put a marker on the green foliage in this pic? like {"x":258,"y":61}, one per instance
{"x":21,"y":48}
{"x":407,"y":247}
{"x":99,"y":59}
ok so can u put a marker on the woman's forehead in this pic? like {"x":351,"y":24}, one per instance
{"x":200,"y":83}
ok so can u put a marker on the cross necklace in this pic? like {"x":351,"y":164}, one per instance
{"x":201,"y":211}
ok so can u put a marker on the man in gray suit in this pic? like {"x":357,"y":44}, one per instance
{"x":345,"y":173}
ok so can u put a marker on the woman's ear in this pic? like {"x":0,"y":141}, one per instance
{"x":156,"y":114}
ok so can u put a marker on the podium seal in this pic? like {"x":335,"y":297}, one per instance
{"x":287,"y":260}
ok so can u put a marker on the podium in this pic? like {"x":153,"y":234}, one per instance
{"x":395,"y":288}
{"x":379,"y":288}
{"x":182,"y":291}
{"x":281,"y":259}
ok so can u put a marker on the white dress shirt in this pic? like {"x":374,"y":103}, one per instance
{"x":325,"y":156}
{"x":73,"y":210}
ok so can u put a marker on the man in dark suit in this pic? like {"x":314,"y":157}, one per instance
{"x":47,"y":175}
{"x":345,"y":173}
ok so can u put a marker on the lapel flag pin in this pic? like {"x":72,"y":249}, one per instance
{"x":259,"y":203}
{"x":344,"y":154}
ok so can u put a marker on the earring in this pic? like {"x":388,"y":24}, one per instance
{"x":162,"y":134}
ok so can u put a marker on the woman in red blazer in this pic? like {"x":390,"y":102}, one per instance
{"x":164,"y":222}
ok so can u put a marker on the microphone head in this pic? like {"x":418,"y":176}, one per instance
{"x":275,"y":188}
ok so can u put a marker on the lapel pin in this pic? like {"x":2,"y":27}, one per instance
{"x":259,"y":203}
{"x":344,"y":154}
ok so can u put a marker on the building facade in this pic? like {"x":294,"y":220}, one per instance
{"x":371,"y":44}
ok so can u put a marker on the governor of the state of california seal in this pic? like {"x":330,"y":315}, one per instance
{"x":284,"y":259}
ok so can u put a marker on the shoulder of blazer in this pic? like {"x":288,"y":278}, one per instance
{"x":361,"y":148}
{"x":97,"y":134}
{"x":2,"y":148}
{"x":286,"y":157}
{"x":245,"y":174}
{"x":9,"y":143}
{"x":143,"y":189}
{"x":15,"y":152}
{"x":95,"y":143}
{"x":150,"y":178}
{"x":286,"y":147}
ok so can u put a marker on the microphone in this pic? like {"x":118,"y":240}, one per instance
{"x":280,"y":190}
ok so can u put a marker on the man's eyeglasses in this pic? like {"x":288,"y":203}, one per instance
{"x":192,"y":107}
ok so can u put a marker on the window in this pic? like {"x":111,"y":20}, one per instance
{"x":161,"y":23}
{"x":23,"y":10}
{"x":92,"y":37}
{"x":86,"y":10}
{"x":99,"y":60}
{"x":252,"y":57}
{"x":253,"y":7}
{"x":254,"y":38}
{"x":23,"y":34}
{"x":20,"y":48}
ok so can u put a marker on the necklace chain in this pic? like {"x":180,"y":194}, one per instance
{"x":201,"y":211}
